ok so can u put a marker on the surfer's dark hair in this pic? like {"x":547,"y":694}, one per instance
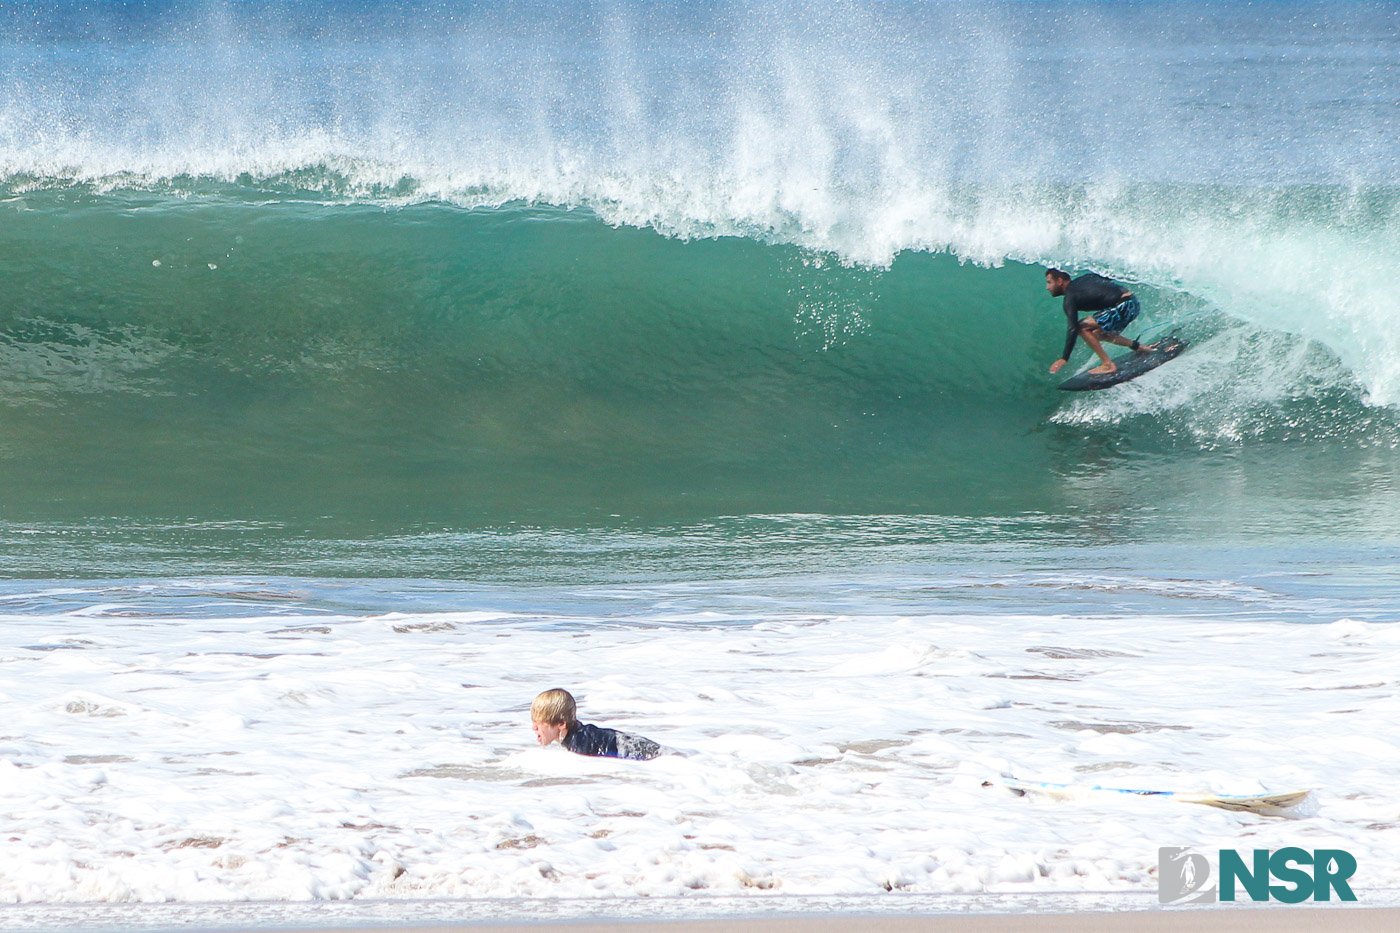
{"x":1056,"y":274}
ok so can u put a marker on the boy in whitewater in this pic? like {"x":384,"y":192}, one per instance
{"x":555,"y":716}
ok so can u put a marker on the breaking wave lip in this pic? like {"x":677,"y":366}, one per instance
{"x":856,"y":130}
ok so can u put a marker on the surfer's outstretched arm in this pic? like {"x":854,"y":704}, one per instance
{"x":1056,"y":283}
{"x":1071,"y":334}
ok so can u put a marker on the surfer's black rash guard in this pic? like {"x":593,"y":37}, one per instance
{"x":1089,"y":292}
{"x":608,"y":743}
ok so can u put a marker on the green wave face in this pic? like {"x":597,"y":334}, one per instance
{"x":222,"y":358}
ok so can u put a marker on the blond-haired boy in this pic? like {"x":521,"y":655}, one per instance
{"x":555,"y":717}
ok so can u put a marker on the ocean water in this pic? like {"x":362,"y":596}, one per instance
{"x":367,"y":367}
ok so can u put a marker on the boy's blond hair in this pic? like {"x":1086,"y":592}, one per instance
{"x":554,"y":706}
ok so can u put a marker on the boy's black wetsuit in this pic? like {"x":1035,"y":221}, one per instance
{"x":1089,"y":292}
{"x":608,"y":743}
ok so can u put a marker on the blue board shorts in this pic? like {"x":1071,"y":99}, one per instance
{"x":1118,"y":317}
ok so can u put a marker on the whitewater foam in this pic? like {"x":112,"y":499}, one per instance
{"x":1237,"y":384}
{"x":319,"y":754}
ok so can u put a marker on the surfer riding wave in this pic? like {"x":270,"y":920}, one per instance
{"x":1113,"y":308}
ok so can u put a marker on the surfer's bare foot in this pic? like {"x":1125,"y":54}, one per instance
{"x":1103,"y":370}
{"x":1145,"y":347}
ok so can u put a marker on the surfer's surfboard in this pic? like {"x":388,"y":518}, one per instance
{"x":1130,"y":366}
{"x":1266,"y":804}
